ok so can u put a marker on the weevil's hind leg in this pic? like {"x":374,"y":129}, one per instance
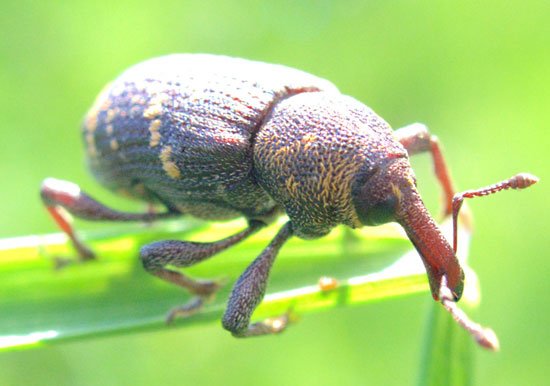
{"x":63,"y":199}
{"x":416,"y":138}
{"x":156,"y":256}
{"x":249,"y":291}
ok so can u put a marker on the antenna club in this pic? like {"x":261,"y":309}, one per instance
{"x":523,"y":180}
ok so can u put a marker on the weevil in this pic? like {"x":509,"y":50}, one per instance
{"x":217,"y":138}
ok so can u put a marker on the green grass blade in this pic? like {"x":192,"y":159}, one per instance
{"x":447,"y":358}
{"x":448,"y":348}
{"x":113,"y":295}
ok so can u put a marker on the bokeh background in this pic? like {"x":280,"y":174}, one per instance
{"x":478,"y":73}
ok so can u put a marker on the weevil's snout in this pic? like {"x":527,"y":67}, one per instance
{"x":453,"y":281}
{"x":437,"y":254}
{"x":458,"y":288}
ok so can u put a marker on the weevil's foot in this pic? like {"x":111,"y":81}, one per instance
{"x":207,"y":288}
{"x":205,"y":291}
{"x":84,"y":254}
{"x":188,"y":309}
{"x":60,"y":262}
{"x":268,"y":326}
{"x":272,"y":325}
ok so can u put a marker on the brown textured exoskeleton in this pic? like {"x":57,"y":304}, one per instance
{"x":218,"y":138}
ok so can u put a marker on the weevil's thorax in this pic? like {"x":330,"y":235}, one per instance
{"x":313,"y":152}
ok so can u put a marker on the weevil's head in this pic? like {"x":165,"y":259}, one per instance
{"x":387,"y":192}
{"x":377,"y":192}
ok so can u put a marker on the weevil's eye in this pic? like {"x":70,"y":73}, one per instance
{"x":375,"y":198}
{"x":381,"y":212}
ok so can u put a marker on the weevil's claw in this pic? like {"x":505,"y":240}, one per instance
{"x":185,"y":311}
{"x":274,"y":325}
{"x":269,"y":326}
{"x":277,"y":324}
{"x":84,"y":254}
{"x":208,"y":288}
{"x":206,"y":294}
{"x":222,"y":281}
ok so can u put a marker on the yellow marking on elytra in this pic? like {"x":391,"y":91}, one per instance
{"x":137,"y":99}
{"x":155,"y":106}
{"x":102,"y":102}
{"x":152,"y":111}
{"x":90,"y":142}
{"x":91,"y":121}
{"x":111,"y":114}
{"x":155,"y":134}
{"x":109,"y":129}
{"x":168,"y":165}
{"x":114,"y":144}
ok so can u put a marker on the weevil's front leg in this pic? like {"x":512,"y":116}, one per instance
{"x":61,"y":197}
{"x":157,"y":256}
{"x":485,"y":337}
{"x":417,"y":139}
{"x":249,"y":291}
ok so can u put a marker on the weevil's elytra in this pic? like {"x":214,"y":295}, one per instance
{"x":218,"y":138}
{"x":192,"y":125}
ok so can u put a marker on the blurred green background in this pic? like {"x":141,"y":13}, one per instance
{"x":478,"y":73}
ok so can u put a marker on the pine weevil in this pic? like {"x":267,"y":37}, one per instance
{"x":217,"y":138}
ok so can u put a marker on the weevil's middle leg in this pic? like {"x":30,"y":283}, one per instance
{"x":249,"y":291}
{"x":417,"y":139}
{"x":63,"y":199}
{"x":157,"y":256}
